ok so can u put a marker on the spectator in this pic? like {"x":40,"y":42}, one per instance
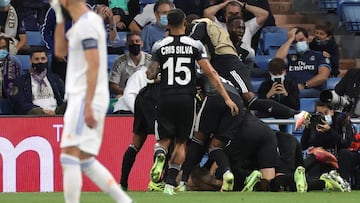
{"x":11,"y":25}
{"x":58,"y":65}
{"x":234,"y":7}
{"x":156,"y":31}
{"x":279,"y":87}
{"x":333,"y":132}
{"x":324,"y":42}
{"x":38,"y":91}
{"x":128,"y":9}
{"x":192,"y":7}
{"x":119,"y":19}
{"x":146,"y":17}
{"x":32,"y":12}
{"x":10,"y":68}
{"x":111,"y":28}
{"x":308,"y":68}
{"x":128,"y":63}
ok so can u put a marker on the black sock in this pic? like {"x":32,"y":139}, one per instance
{"x":194,"y":153}
{"x":172,"y":173}
{"x":218,"y":155}
{"x":282,"y":183}
{"x":269,"y":106}
{"x":127,"y":164}
{"x":316,"y":184}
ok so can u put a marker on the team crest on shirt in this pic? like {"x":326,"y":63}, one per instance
{"x":293,"y":57}
{"x":327,"y":60}
{"x":312,"y":58}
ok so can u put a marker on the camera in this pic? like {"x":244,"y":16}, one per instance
{"x":315,"y":119}
{"x":341,"y":103}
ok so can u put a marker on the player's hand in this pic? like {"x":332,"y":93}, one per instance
{"x":233,"y":107}
{"x":55,"y":4}
{"x":89,"y":116}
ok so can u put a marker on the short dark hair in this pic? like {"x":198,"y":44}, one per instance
{"x":118,"y":12}
{"x":132,"y":33}
{"x":234,"y":17}
{"x":327,"y":27}
{"x":3,"y":37}
{"x":176,"y":17}
{"x":37,"y":50}
{"x":276,"y":66}
{"x":160,"y":2}
{"x":323,"y":104}
{"x":303,"y":30}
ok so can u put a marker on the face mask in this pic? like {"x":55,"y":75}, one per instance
{"x":66,"y":14}
{"x":163,"y":20}
{"x":274,"y":77}
{"x":321,"y":42}
{"x":39,"y":67}
{"x":328,"y":119}
{"x":301,"y":47}
{"x":3,"y":53}
{"x":134,"y":49}
{"x":4,"y":3}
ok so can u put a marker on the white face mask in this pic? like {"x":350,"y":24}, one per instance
{"x":328,"y":119}
{"x":282,"y":77}
{"x":301,"y":47}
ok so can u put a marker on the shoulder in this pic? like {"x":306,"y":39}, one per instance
{"x":147,"y":56}
{"x":122,"y":58}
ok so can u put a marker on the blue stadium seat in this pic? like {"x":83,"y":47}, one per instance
{"x":5,"y":107}
{"x":348,"y":11}
{"x":111,"y":59}
{"x":308,"y":104}
{"x":331,"y":83}
{"x":25,"y":61}
{"x":34,"y":38}
{"x":256,"y":82}
{"x":272,"y":37}
{"x":262,"y":61}
{"x":329,"y":5}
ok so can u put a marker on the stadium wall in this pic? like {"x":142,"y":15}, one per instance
{"x":29,"y":154}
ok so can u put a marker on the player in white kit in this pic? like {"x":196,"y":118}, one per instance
{"x":87,"y":95}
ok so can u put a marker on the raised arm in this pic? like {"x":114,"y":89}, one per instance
{"x":260,"y":13}
{"x":211,"y":11}
{"x":284,"y":49}
{"x":61,"y":44}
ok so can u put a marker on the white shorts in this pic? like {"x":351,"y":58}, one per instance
{"x":77,"y":133}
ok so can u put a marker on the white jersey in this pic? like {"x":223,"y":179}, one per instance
{"x":89,"y":26}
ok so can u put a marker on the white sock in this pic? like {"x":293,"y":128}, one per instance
{"x":72,"y":178}
{"x":104,"y":180}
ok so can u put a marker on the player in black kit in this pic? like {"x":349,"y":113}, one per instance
{"x":175,"y":58}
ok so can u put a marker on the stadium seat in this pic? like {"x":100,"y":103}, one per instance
{"x":329,"y":5}
{"x":5,"y":107}
{"x":272,"y":37}
{"x":308,"y":104}
{"x":348,"y":11}
{"x":262,"y":61}
{"x":34,"y":38}
{"x":25,"y":61}
{"x":256,"y":82}
{"x":331,"y":83}
{"x":111,"y":59}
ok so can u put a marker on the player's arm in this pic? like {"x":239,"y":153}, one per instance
{"x":153,"y":70}
{"x":61,"y":44}
{"x":214,"y":78}
{"x":92,"y":57}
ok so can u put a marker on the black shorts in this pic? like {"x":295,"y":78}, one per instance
{"x":254,"y":143}
{"x":145,"y":110}
{"x":232,"y":69}
{"x":215,"y":117}
{"x":175,"y":117}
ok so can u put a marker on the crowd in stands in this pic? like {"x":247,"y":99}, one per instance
{"x":232,"y":31}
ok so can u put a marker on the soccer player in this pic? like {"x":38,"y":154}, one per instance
{"x":175,"y":58}
{"x":87,"y":95}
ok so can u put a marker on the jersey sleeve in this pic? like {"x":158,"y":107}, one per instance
{"x":198,"y":31}
{"x":202,"y":51}
{"x":89,"y":36}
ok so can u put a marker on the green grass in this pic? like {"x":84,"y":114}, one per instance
{"x":189,"y":197}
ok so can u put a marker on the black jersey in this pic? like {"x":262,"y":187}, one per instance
{"x":177,"y":56}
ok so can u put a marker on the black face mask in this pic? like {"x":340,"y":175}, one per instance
{"x":66,"y":14}
{"x":39,"y":67}
{"x":134,"y":49}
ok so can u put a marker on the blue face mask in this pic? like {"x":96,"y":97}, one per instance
{"x":3,"y":53}
{"x":4,"y":3}
{"x":301,"y":47}
{"x":163,"y":20}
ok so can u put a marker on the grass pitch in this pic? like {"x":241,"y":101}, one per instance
{"x":189,"y":197}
